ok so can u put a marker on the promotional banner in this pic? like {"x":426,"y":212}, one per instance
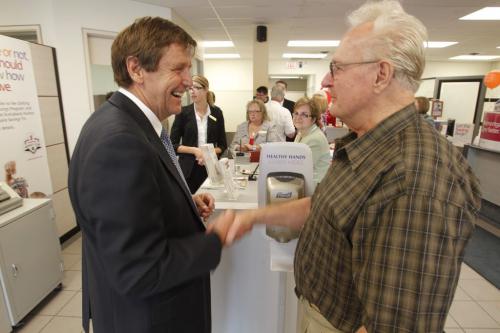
{"x":22,"y":152}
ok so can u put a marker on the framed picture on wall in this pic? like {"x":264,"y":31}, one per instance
{"x":437,"y":108}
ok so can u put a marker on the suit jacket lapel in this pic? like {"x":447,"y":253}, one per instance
{"x":125,"y":104}
{"x":211,"y":127}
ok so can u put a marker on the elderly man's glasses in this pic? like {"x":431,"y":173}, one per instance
{"x":336,"y":66}
{"x":254,"y":111}
{"x":301,"y":115}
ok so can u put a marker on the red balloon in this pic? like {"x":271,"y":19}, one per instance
{"x":492,"y":79}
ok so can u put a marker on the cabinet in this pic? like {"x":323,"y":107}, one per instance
{"x":30,"y":256}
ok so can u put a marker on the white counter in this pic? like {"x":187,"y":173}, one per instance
{"x":247,"y":295}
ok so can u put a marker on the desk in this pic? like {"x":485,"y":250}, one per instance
{"x":485,"y":163}
{"x":247,"y":296}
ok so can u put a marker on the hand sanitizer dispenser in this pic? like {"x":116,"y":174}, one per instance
{"x":283,"y":186}
{"x":285,"y":174}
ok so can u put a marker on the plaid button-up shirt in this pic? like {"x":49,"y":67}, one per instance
{"x":385,"y":239}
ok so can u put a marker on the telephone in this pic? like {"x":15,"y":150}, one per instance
{"x":9,"y":199}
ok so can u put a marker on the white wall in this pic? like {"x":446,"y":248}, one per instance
{"x":232,"y":83}
{"x":62,"y":23}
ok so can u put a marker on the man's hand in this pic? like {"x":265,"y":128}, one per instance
{"x":221,"y":225}
{"x":205,"y":204}
{"x":243,"y":223}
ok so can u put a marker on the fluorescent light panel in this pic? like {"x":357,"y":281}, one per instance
{"x":285,"y":77}
{"x":487,"y":13}
{"x":313,"y":43}
{"x":475,"y":57}
{"x":217,"y":43}
{"x":221,"y":56}
{"x":305,"y":55}
{"x":438,"y":45}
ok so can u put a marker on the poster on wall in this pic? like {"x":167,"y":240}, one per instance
{"x":437,"y":108}
{"x":23,"y":156}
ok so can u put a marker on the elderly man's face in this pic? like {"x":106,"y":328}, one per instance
{"x":352,"y":75}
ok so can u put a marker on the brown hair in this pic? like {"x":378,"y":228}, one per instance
{"x":314,"y":107}
{"x":145,"y":39}
{"x":203,"y":81}
{"x":422,"y":104}
{"x":262,"y":108}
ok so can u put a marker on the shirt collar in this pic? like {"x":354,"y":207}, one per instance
{"x":153,"y":119}
{"x":205,"y":115}
{"x":356,"y":149}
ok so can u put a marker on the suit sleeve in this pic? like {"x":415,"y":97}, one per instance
{"x":125,"y":194}
{"x":177,"y":131}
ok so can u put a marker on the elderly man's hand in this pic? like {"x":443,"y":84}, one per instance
{"x":243,"y":223}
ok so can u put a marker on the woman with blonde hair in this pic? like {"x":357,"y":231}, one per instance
{"x":199,"y":123}
{"x":257,"y":126}
{"x":307,"y":120}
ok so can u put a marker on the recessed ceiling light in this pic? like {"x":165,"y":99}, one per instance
{"x":498,"y":47}
{"x":221,"y":56}
{"x":475,"y":57}
{"x":487,"y":13}
{"x":313,"y":43}
{"x":305,"y":55}
{"x":217,"y":43}
{"x":438,"y":45}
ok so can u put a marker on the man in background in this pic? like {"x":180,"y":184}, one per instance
{"x":262,"y":93}
{"x":383,"y":236}
{"x":279,"y":115}
{"x":287,"y":104}
{"x":146,"y":257}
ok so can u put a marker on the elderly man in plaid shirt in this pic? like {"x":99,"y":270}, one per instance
{"x":383,"y":236}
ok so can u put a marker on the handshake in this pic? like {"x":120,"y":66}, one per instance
{"x":231,"y":226}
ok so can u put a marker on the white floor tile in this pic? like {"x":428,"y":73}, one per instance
{"x":73,"y":308}
{"x":480,"y":330}
{"x":70,"y":260}
{"x":468,"y":273}
{"x":73,"y":248}
{"x":493,"y":309}
{"x":454,"y":330}
{"x":451,"y":323}
{"x":51,"y":307}
{"x":63,"y":325}
{"x":72,"y":280}
{"x":480,"y":290}
{"x":34,"y":324}
{"x":76,"y":266}
{"x":461,"y":295}
{"x":469,"y":314}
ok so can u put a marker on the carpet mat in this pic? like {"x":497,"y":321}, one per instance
{"x":483,"y":255}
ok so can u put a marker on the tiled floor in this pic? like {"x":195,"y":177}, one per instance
{"x":475,"y":309}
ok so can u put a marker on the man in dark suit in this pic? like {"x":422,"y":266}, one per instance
{"x":146,"y":255}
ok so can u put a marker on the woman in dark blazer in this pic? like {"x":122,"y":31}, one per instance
{"x":198,"y":123}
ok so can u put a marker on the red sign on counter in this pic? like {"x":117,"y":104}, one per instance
{"x":491,"y":126}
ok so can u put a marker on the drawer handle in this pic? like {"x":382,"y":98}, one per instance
{"x":15,"y":270}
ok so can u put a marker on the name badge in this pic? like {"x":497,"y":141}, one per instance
{"x":212,"y":117}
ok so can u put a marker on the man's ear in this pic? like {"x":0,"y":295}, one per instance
{"x":135,"y":70}
{"x":385,"y":74}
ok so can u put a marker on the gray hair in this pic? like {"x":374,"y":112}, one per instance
{"x":397,"y":37}
{"x":277,"y":93}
